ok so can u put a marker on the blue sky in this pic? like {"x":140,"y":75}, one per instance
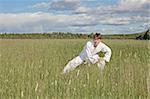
{"x":76,"y":16}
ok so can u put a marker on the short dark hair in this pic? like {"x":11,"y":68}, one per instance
{"x":97,"y":36}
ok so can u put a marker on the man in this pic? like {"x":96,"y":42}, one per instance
{"x":90,"y":55}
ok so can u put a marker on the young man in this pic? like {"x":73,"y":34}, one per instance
{"x":90,"y":55}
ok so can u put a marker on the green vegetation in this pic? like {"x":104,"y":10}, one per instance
{"x":55,"y":35}
{"x":31,"y":69}
{"x":61,"y":35}
{"x":144,"y":36}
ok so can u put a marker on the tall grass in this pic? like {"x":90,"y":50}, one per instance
{"x":31,"y":69}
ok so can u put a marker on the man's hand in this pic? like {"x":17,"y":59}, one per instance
{"x":101,"y":63}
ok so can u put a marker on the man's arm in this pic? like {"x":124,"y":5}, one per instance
{"x":107,"y":52}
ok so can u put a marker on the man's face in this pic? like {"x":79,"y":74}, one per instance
{"x":96,"y":41}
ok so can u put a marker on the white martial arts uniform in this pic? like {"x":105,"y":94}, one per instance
{"x":89,"y":54}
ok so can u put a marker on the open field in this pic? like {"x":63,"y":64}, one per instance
{"x":31,"y":69}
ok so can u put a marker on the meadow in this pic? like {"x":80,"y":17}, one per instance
{"x":31,"y":69}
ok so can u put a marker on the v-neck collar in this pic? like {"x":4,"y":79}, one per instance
{"x":96,"y":46}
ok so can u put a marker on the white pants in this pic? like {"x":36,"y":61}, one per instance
{"x":78,"y":61}
{"x":73,"y":64}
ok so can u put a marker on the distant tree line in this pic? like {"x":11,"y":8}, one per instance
{"x":68,"y":35}
{"x":54,"y":35}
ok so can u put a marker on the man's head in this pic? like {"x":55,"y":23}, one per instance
{"x":96,"y":39}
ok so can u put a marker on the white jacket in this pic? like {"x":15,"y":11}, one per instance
{"x":89,"y":53}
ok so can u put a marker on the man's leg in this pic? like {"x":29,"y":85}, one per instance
{"x":101,"y":63}
{"x":73,"y":64}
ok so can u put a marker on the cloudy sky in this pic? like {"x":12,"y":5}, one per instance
{"x":76,"y":16}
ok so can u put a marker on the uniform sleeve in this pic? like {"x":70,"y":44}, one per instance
{"x":107,"y":52}
{"x":92,"y":59}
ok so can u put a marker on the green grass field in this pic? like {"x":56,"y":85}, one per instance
{"x":31,"y":69}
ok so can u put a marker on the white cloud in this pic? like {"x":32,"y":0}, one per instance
{"x":41,"y":5}
{"x":132,"y":4}
{"x":82,"y":19}
{"x":130,"y":7}
{"x":64,"y":5}
{"x":47,"y":22}
{"x":39,"y":22}
{"x":116,"y":21}
{"x":82,"y":10}
{"x":57,"y":5}
{"x":125,"y":6}
{"x":123,"y":13}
